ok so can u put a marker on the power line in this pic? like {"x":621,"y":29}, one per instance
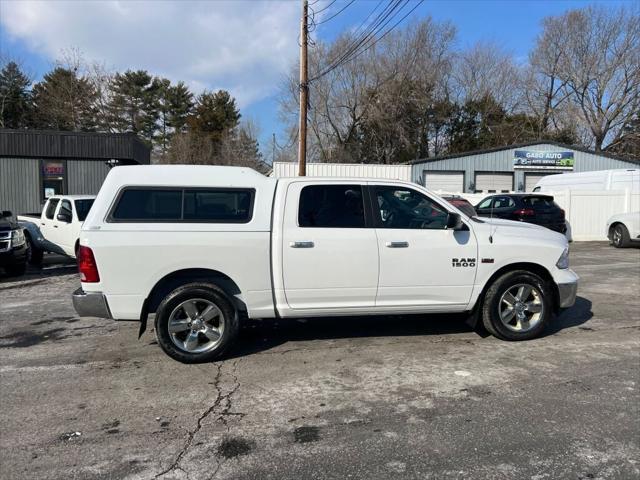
{"x":336,"y":14}
{"x":379,"y":23}
{"x":356,"y":42}
{"x":323,"y":9}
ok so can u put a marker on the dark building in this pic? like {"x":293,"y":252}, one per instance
{"x":37,"y":164}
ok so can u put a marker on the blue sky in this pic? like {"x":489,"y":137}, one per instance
{"x":243,"y":46}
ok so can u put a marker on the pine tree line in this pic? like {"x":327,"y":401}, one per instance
{"x":180,"y":127}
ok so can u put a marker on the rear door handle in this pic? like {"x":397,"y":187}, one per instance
{"x":398,"y":244}
{"x":301,"y":244}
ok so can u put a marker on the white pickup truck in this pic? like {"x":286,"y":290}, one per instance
{"x":57,"y":228}
{"x":205,"y":247}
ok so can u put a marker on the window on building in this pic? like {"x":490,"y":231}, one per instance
{"x":331,"y":206}
{"x":407,"y":209}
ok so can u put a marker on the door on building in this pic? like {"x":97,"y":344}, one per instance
{"x":450,"y":182}
{"x":494,"y":182}
{"x":53,"y":178}
{"x":531,"y":178}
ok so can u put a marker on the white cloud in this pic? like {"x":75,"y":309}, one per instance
{"x":243,"y":46}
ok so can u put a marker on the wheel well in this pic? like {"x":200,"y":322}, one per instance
{"x":539,"y":270}
{"x":614,"y":225}
{"x":181,"y":277}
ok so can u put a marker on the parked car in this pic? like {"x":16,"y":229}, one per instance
{"x":219,"y":244}
{"x":616,"y":179}
{"x":461,"y":204}
{"x":57,"y":228}
{"x":623,"y":229}
{"x":13,"y":247}
{"x":524,"y":207}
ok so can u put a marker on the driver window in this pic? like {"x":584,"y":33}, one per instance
{"x":408,"y":209}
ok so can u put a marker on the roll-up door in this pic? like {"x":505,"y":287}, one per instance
{"x":530,"y":180}
{"x":451,"y":182}
{"x":494,"y":182}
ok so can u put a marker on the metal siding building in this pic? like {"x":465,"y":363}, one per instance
{"x":497,"y":169}
{"x":360,"y":170}
{"x":35,"y":164}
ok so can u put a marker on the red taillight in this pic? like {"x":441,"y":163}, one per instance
{"x":87,"y":265}
{"x":525,"y":212}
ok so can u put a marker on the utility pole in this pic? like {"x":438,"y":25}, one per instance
{"x":304,"y":91}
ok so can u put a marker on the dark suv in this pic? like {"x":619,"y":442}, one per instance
{"x":525,"y":207}
{"x":13,"y":247}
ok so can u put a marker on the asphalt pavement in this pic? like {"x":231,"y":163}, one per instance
{"x":329,"y":398}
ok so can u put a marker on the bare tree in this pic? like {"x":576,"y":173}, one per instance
{"x":600,"y":64}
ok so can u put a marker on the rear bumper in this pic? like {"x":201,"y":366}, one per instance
{"x":90,"y":304}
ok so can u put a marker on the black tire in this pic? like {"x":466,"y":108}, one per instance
{"x":16,"y":270}
{"x":620,"y":236}
{"x":34,"y":254}
{"x":209,"y":292}
{"x":491,"y":305}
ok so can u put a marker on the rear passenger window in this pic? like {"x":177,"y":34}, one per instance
{"x":148,"y":205}
{"x":331,"y":206}
{"x":223,"y":206}
{"x":538,"y":202}
{"x":51,"y":208}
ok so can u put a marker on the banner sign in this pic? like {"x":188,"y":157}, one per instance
{"x":543,"y":160}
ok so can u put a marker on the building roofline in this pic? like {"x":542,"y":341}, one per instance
{"x":26,"y":143}
{"x":521,"y":145}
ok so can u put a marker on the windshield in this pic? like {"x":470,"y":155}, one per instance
{"x":83,"y":207}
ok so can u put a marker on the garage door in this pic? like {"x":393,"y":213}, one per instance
{"x":494,"y":182}
{"x":530,"y":180}
{"x":451,"y":182}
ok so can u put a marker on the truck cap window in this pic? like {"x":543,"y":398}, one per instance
{"x":216,"y":205}
{"x":331,"y":206}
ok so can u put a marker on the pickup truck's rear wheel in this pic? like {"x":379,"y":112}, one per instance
{"x":517,"y":306}
{"x":196,"y":323}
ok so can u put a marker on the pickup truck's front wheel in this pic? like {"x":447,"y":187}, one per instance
{"x":517,"y":306}
{"x":196,"y":323}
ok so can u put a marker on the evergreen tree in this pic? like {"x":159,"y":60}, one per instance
{"x":214,"y":115}
{"x":175,"y":103}
{"x":64,"y":101}
{"x":14,"y":97}
{"x":134,"y":103}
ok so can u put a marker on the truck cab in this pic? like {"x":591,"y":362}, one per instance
{"x":205,"y":247}
{"x":57,"y":228}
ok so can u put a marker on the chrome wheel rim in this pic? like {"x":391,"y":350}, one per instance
{"x":617,"y":236}
{"x":521,"y":308}
{"x":196,"y":325}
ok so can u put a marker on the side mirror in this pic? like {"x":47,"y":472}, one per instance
{"x":454,"y":221}
{"x":64,"y":217}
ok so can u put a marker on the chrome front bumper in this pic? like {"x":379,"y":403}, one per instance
{"x":567,"y":294}
{"x":90,"y":304}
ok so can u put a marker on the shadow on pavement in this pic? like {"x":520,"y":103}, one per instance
{"x":261,"y":335}
{"x":571,"y":317}
{"x":52,"y":265}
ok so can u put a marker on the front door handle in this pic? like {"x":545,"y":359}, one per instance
{"x":398,"y":244}
{"x":301,"y":244}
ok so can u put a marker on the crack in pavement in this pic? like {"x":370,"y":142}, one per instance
{"x":220,"y":398}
